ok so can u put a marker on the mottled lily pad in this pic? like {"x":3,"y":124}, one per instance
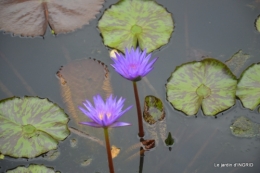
{"x":248,"y":87}
{"x":244,"y":127}
{"x":133,"y":21}
{"x":30,"y":126}
{"x":153,"y":110}
{"x":257,"y":23}
{"x":208,"y":83}
{"x":31,"y":18}
{"x":32,"y":169}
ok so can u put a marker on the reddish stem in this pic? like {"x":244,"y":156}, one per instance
{"x":109,"y":155}
{"x":139,"y":112}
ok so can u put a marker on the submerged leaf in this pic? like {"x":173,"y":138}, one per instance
{"x":244,"y":127}
{"x":153,"y":110}
{"x":208,"y":83}
{"x":236,"y":62}
{"x":81,"y":80}
{"x":32,"y":169}
{"x":30,"y":18}
{"x":133,"y":21}
{"x":248,"y":87}
{"x":30,"y":126}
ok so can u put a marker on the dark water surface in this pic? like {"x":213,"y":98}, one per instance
{"x":202,"y":28}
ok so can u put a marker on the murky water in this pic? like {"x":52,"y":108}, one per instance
{"x":202,"y":28}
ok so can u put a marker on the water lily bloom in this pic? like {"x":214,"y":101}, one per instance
{"x":104,"y":114}
{"x":134,"y":64}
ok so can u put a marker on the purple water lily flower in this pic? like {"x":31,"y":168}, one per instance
{"x":104,"y":114}
{"x":134,"y":64}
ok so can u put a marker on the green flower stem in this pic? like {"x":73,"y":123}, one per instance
{"x":139,"y":113}
{"x":109,"y":156}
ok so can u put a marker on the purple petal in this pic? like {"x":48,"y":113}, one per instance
{"x":120,"y":124}
{"x":92,"y":124}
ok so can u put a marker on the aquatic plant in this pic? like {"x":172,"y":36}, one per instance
{"x":105,"y":115}
{"x":257,"y":23}
{"x":132,"y":22}
{"x":30,"y":126}
{"x":248,"y":87}
{"x":208,"y":84}
{"x":133,"y":66}
{"x":32,"y":168}
{"x":31,"y":18}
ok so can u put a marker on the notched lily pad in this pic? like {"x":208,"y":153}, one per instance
{"x":244,"y":127}
{"x":153,"y":110}
{"x":32,"y":169}
{"x":31,"y":18}
{"x":30,"y":126}
{"x":208,"y":83}
{"x":257,"y":23}
{"x":132,"y":21}
{"x":248,"y":87}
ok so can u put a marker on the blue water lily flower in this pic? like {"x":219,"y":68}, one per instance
{"x":134,"y":64}
{"x":104,"y":114}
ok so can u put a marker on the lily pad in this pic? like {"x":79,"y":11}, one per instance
{"x":32,"y":169}
{"x":257,"y":23}
{"x":244,"y":127}
{"x":31,"y":18}
{"x":208,"y":83}
{"x":30,"y":126}
{"x":81,"y":80}
{"x":133,"y":21}
{"x":153,"y":110}
{"x":248,"y":87}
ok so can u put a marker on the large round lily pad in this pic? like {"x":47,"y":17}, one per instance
{"x":32,"y":169}
{"x":132,"y":21}
{"x":30,"y":126}
{"x":208,"y":83}
{"x":248,"y":87}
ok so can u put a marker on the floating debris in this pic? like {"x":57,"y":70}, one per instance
{"x":86,"y":162}
{"x":114,"y":151}
{"x":244,"y":127}
{"x":73,"y":143}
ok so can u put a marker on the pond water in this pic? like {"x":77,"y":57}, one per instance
{"x":217,"y":29}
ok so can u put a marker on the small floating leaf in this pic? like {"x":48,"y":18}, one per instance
{"x":153,"y":110}
{"x":52,"y":155}
{"x":30,"y":126}
{"x":31,"y":18}
{"x":248,"y":87}
{"x":169,"y":140}
{"x":86,"y":162}
{"x":148,"y":144}
{"x":114,"y":151}
{"x":244,"y":127}
{"x":132,"y":21}
{"x":208,"y":83}
{"x":73,"y":143}
{"x":257,"y":23}
{"x":32,"y":169}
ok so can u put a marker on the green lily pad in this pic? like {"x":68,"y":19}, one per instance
{"x":153,"y":110}
{"x":244,"y":127}
{"x":32,"y":169}
{"x":257,"y":23}
{"x":208,"y":83}
{"x":129,"y":22}
{"x":248,"y":87}
{"x":30,"y":126}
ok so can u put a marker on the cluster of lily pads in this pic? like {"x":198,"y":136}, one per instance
{"x":210,"y":84}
